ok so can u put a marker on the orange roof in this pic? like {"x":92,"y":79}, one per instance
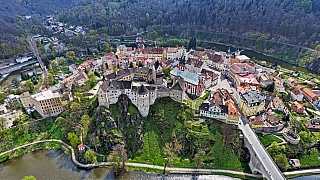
{"x":257,"y":121}
{"x":232,"y":110}
{"x":25,"y":94}
{"x":309,"y":93}
{"x":297,"y":105}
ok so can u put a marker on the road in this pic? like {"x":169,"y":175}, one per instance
{"x":262,"y":154}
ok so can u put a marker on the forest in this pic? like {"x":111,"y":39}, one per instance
{"x":284,"y":21}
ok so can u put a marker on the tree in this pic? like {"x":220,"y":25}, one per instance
{"x":166,"y":72}
{"x":75,"y":110}
{"x":29,"y":85}
{"x":29,"y":178}
{"x":61,"y":60}
{"x":152,"y":35}
{"x":270,"y":87}
{"x":282,"y":161}
{"x":16,"y":82}
{"x":115,"y":158}
{"x":140,"y":64}
{"x":94,"y":140}
{"x":132,"y":65}
{"x":276,"y":149}
{"x":198,"y":158}
{"x":74,"y":139}
{"x":70,"y":55}
{"x":90,"y":156}
{"x":85,"y":122}
{"x":121,"y":152}
{"x":54,"y":63}
{"x":192,"y":43}
{"x":3,"y":123}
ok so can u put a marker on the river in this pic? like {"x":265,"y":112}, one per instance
{"x":55,"y":164}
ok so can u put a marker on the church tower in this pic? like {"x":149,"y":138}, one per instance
{"x":226,"y":64}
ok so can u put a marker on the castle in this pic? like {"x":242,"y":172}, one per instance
{"x":142,"y":86}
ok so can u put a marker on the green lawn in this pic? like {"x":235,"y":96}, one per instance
{"x":310,"y":161}
{"x":268,"y":139}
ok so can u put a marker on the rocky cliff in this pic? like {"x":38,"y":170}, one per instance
{"x":119,"y":125}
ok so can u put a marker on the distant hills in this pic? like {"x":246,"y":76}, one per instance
{"x":290,"y":21}
{"x":12,"y":12}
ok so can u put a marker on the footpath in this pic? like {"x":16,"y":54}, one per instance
{"x":170,"y":169}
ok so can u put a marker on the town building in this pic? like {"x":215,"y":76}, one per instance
{"x":310,"y":96}
{"x":252,"y":103}
{"x":296,"y":95}
{"x":264,"y":80}
{"x":214,"y":109}
{"x":297,"y":107}
{"x":256,"y":123}
{"x":12,"y":100}
{"x":46,"y":103}
{"x":278,"y":104}
{"x":192,"y":82}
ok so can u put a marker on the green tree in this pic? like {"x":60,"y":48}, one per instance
{"x":75,"y":110}
{"x":16,"y":82}
{"x":140,"y":64}
{"x":74,"y":139}
{"x":29,"y":178}
{"x":115,"y":158}
{"x":85,"y":122}
{"x":282,"y":161}
{"x":152,"y":35}
{"x":276,"y":149}
{"x":70,"y":55}
{"x":3,"y":123}
{"x":61,"y":60}
{"x":132,"y":65}
{"x":198,"y":158}
{"x":29,"y":85}
{"x":90,"y":156}
{"x":166,"y":72}
{"x":54,"y":63}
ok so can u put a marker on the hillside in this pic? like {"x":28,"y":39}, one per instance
{"x":278,"y":28}
{"x":12,"y":12}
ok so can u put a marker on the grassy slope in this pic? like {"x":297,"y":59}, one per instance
{"x":156,"y":136}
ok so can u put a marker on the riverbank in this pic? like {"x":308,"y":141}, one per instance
{"x":141,"y":167}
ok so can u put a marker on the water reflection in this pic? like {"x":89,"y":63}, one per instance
{"x":53,"y":164}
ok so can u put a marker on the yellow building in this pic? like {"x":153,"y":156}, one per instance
{"x":252,"y":103}
{"x":46,"y":103}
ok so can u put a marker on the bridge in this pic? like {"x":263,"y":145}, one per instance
{"x":36,"y":53}
{"x":260,"y":160}
{"x":9,"y":69}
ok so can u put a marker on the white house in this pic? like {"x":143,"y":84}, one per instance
{"x":296,"y":95}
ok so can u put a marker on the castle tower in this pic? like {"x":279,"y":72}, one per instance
{"x":143,"y":100}
{"x":102,"y":95}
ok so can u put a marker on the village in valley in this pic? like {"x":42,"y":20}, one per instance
{"x":280,"y":105}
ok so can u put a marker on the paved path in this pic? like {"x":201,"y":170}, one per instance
{"x":190,"y":170}
{"x":100,"y":164}
{"x":280,"y":143}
